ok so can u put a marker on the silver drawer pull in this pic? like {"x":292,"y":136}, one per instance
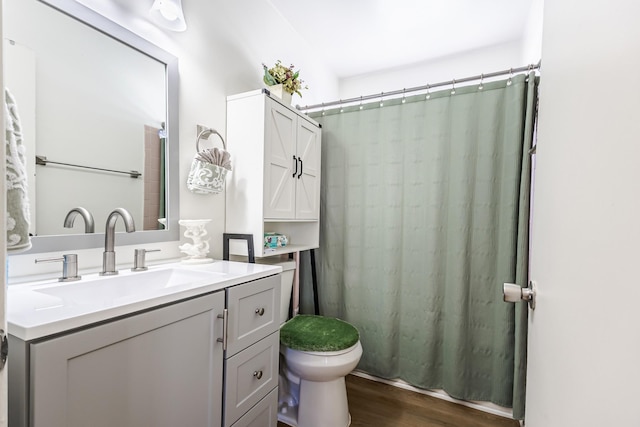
{"x":225,"y":328}
{"x":257,"y":374}
{"x":259,"y":311}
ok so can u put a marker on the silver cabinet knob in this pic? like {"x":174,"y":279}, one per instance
{"x":516,"y":293}
{"x":260,"y":311}
{"x":257,"y":374}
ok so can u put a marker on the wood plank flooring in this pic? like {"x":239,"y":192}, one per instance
{"x":374,"y":404}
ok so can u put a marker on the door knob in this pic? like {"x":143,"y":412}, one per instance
{"x":516,"y":293}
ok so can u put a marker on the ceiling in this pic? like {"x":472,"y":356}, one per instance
{"x":363,"y":36}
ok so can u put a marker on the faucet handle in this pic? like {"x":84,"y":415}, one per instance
{"x":139,"y":259}
{"x":69,"y":267}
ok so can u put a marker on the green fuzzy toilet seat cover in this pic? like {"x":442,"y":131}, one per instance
{"x":318,"y":333}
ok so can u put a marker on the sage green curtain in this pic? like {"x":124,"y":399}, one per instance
{"x":424,"y":215}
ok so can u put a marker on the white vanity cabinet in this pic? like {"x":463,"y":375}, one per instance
{"x":275,"y":183}
{"x":252,"y":354}
{"x":163,"y":368}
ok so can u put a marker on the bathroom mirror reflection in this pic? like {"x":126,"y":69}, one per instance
{"x":98,"y":112}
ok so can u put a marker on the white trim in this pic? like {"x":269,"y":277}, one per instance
{"x":488,"y":407}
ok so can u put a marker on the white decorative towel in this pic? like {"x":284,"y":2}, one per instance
{"x":17,"y":200}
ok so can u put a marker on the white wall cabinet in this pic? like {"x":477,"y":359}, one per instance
{"x":275,"y":184}
{"x":164,"y":367}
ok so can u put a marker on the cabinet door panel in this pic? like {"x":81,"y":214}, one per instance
{"x":251,"y":374}
{"x":254,"y":312}
{"x":279,"y":162}
{"x":264,"y":414}
{"x":159,"y":368}
{"x":308,"y":182}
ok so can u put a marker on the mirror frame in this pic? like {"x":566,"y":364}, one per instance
{"x":111,"y":29}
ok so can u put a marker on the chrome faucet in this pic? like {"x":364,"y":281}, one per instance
{"x":89,"y":225}
{"x":109,"y":255}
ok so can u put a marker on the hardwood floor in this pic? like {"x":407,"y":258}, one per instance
{"x":374,"y":404}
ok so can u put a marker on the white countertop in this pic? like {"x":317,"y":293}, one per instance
{"x":36,"y":310}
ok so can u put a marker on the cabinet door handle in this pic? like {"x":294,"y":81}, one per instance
{"x":257,"y":374}
{"x":225,"y":326}
{"x":300,"y":174}
{"x":295,"y":163}
{"x":259,"y":311}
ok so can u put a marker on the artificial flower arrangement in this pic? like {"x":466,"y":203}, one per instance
{"x":280,"y":74}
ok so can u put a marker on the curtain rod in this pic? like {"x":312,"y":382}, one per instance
{"x":510,"y":71}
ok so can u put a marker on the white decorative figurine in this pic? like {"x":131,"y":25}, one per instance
{"x":198,"y":250}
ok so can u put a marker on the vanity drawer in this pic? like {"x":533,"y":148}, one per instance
{"x":251,"y":375}
{"x":254,"y":312}
{"x":264,"y":414}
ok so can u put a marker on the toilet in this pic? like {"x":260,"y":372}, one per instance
{"x":316,"y":353}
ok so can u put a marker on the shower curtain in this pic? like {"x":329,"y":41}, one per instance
{"x":424,"y":215}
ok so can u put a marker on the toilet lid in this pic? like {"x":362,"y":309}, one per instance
{"x":318,"y":333}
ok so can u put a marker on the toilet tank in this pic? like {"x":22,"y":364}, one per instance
{"x":286,"y":283}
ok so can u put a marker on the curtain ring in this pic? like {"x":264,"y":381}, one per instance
{"x":510,"y":77}
{"x":481,"y":82}
{"x":428,"y":93}
{"x":341,"y":109}
{"x":404,"y":98}
{"x":453,"y":87}
{"x":361,"y":102}
{"x":382,"y":99}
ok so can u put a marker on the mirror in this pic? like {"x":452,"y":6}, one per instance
{"x":99,"y":116}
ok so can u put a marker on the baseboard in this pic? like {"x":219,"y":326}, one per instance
{"x":488,"y":407}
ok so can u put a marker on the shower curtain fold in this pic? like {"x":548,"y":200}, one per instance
{"x":424,"y":214}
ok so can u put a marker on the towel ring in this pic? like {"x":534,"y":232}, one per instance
{"x":206,"y":133}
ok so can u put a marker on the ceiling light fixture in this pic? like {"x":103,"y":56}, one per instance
{"x":168,"y":14}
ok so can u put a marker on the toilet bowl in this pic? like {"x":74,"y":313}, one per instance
{"x":313,"y":391}
{"x":316,"y":353}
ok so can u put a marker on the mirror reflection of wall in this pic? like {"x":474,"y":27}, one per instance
{"x":87,"y":99}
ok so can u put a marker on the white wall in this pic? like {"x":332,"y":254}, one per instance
{"x":532,"y":40}
{"x":471,"y":63}
{"x":584,"y":339}
{"x":220,"y":54}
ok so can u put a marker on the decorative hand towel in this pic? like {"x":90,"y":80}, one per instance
{"x":17,"y":200}
{"x":209,"y":167}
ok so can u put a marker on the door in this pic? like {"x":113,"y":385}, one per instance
{"x":584,"y":335}
{"x":308,"y":177}
{"x":3,"y":251}
{"x":161,"y":368}
{"x":280,"y":162}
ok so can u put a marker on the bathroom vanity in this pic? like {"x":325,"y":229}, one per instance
{"x":176,"y":345}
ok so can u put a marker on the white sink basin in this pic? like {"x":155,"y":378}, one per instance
{"x":44,"y":308}
{"x":110,"y":290}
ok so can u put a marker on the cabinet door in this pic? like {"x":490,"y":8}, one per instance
{"x":250,"y":376}
{"x":159,"y":368}
{"x":308,"y":177}
{"x":254,"y":312}
{"x":264,"y":414}
{"x":280,"y":162}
